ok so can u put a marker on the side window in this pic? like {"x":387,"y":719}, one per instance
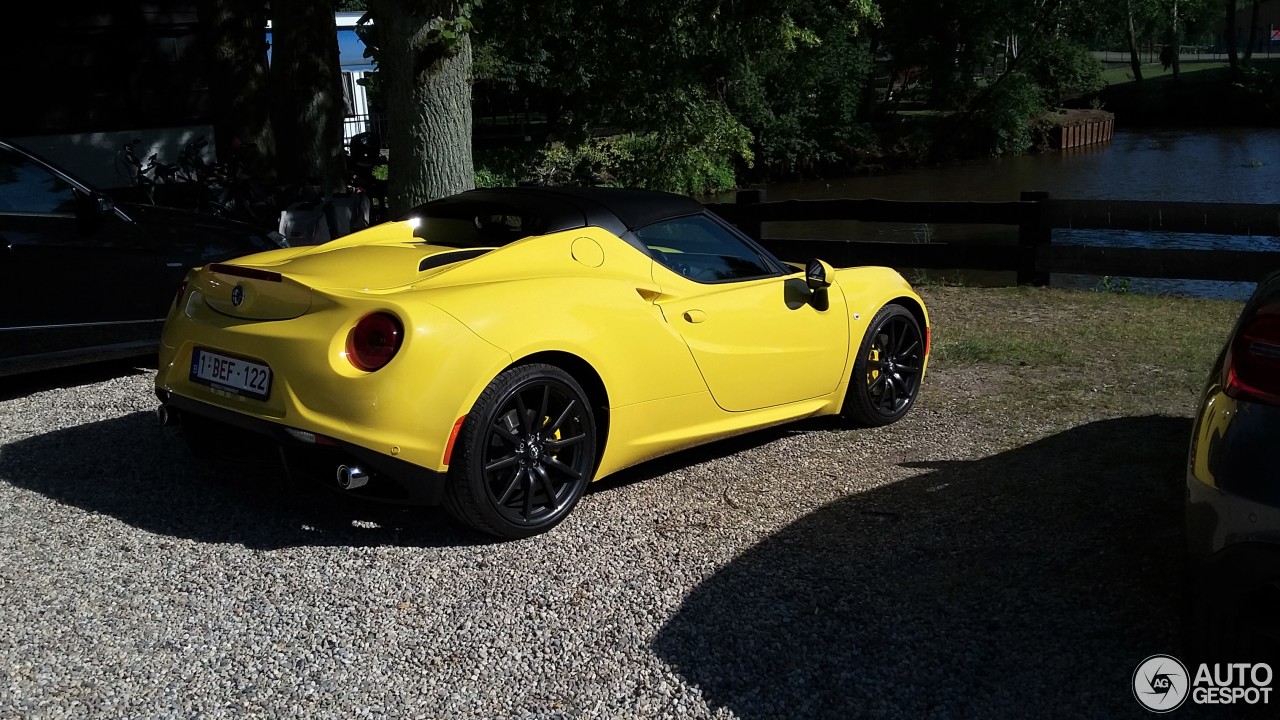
{"x":26,"y":187}
{"x":699,"y":249}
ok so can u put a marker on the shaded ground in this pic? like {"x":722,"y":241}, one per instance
{"x":1034,"y":578}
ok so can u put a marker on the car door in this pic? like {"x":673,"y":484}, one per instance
{"x":759,"y":336}
{"x":72,"y":276}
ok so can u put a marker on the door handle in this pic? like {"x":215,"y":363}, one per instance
{"x":694,"y":316}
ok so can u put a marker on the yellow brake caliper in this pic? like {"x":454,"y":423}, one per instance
{"x":546,"y":420}
{"x":873,"y":362}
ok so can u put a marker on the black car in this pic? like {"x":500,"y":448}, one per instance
{"x":84,"y":279}
{"x":1233,"y":492}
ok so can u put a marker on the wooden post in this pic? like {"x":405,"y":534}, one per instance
{"x":1034,"y":239}
{"x":751,"y":225}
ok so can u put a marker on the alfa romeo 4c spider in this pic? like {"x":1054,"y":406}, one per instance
{"x":498,"y":350}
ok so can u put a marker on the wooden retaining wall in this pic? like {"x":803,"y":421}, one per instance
{"x":1088,"y":133}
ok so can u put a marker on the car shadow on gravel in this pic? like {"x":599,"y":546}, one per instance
{"x":131,"y":469}
{"x":1026,"y":584}
{"x":651,"y":469}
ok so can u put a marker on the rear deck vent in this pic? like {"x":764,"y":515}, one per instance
{"x":446,"y":258}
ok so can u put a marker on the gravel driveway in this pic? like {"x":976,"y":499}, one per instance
{"x":952,"y":565}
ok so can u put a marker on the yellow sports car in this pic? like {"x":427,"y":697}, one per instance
{"x":497,"y":350}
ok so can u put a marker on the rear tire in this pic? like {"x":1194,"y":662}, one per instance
{"x":887,"y":371}
{"x":525,"y":454}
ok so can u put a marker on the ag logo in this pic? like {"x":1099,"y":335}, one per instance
{"x":237,"y":295}
{"x":1160,"y":683}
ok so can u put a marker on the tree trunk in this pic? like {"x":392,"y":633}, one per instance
{"x":307,"y":90}
{"x":237,"y":53}
{"x":1253,"y":31}
{"x":428,"y":104}
{"x":1233,"y":57}
{"x":1175,"y":43}
{"x":868,"y":103}
{"x":1130,"y":37}
{"x":942,"y":70}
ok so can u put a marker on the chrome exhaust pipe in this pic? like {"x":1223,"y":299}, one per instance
{"x":351,"y":477}
{"x":166,"y":418}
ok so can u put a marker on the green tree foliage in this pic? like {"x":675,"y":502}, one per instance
{"x":999,"y":64}
{"x":803,"y":99}
{"x":691,"y":82}
{"x":954,"y":41}
{"x":1063,"y":69}
{"x":687,"y":94}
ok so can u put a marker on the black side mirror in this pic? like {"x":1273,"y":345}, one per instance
{"x":93,"y":205}
{"x":817,"y":274}
{"x":92,"y":210}
{"x":103,"y":204}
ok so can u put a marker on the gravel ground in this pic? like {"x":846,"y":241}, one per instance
{"x":952,"y":565}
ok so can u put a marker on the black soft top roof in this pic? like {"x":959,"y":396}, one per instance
{"x":566,"y":208}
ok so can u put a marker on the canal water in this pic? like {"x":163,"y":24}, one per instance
{"x":1236,"y":165}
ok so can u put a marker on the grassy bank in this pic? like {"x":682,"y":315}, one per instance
{"x":1028,"y":358}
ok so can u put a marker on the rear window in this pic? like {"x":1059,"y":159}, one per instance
{"x":477,"y":229}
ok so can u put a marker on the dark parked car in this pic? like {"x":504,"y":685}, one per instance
{"x":1233,"y":492}
{"x":84,"y":279}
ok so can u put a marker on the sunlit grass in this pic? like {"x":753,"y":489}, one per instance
{"x":1192,"y":70}
{"x":1078,"y":353}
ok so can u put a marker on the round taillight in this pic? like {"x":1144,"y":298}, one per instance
{"x":374,"y":341}
{"x":1253,"y":360}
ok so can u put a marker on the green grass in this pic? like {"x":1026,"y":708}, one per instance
{"x":1191,"y":70}
{"x":1048,"y":353}
{"x":1120,"y":74}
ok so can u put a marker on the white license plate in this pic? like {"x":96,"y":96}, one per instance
{"x":233,"y":374}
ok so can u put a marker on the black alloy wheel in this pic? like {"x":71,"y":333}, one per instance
{"x":525,"y":454}
{"x":887,"y":371}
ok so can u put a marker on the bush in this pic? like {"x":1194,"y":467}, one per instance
{"x":1011,"y":120}
{"x":697,"y":151}
{"x":1063,"y":70}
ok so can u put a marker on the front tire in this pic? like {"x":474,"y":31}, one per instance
{"x":525,"y":454}
{"x":887,"y":371}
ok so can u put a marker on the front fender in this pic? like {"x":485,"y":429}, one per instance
{"x":867,"y":290}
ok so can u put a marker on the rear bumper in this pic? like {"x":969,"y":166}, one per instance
{"x":392,"y":480}
{"x":1233,"y":476}
{"x":1218,"y":520}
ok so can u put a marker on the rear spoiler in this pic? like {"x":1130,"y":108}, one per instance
{"x":246,"y":272}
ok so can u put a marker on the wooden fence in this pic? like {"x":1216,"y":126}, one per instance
{"x":1035,"y":255}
